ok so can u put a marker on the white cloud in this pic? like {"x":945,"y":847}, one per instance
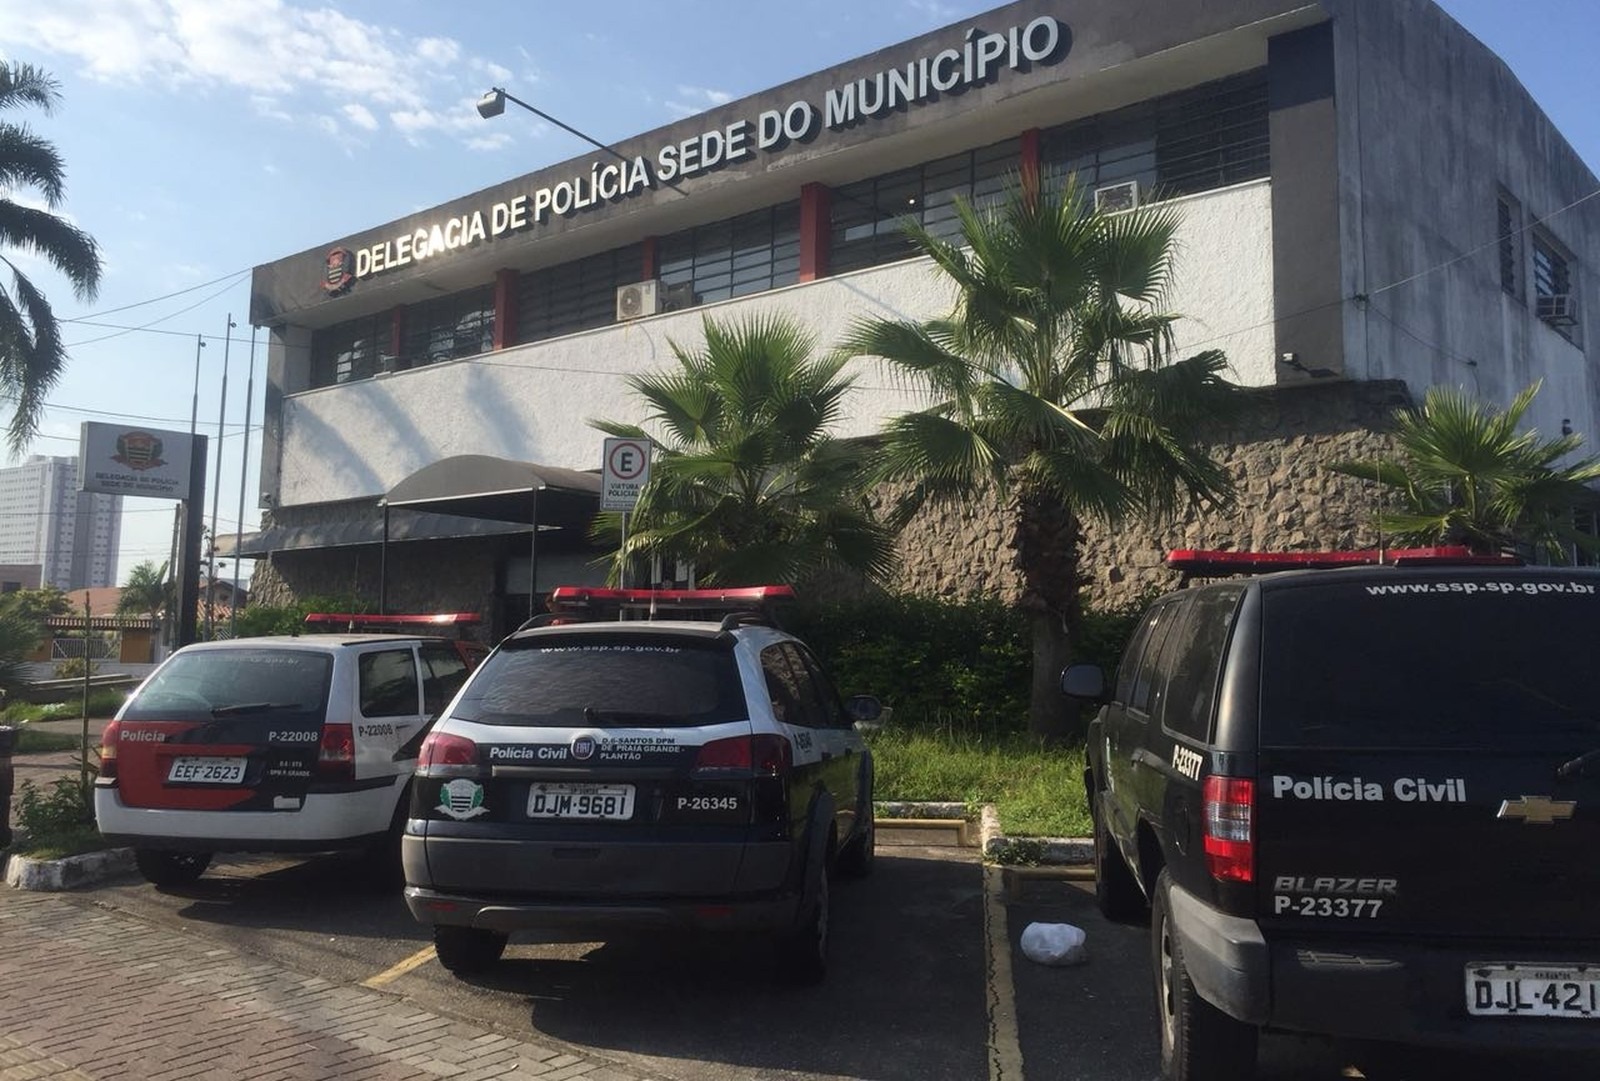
{"x":361,"y":117}
{"x":941,"y":13}
{"x":697,"y":99}
{"x":439,"y":50}
{"x":294,"y":61}
{"x":497,"y":141}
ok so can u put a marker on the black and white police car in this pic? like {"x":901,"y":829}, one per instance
{"x":641,"y":773}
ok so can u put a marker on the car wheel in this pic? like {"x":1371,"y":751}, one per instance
{"x":465,"y":950}
{"x":803,"y":953}
{"x":164,"y":868}
{"x":1198,"y":1041}
{"x":858,"y":857}
{"x":1116,"y":891}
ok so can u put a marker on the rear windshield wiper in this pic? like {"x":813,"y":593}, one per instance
{"x":1577,"y":766}
{"x":253,"y":707}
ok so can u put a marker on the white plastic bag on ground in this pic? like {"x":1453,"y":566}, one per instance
{"x":1054,"y":944}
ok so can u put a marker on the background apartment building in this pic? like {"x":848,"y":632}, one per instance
{"x":71,"y":536}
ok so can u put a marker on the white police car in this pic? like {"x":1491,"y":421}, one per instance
{"x":279,"y":744}
{"x":595,"y":776}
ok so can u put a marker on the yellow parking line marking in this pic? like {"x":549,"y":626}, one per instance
{"x":394,"y":972}
{"x":1005,"y":1049}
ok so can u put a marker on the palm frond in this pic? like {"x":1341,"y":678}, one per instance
{"x":29,"y":161}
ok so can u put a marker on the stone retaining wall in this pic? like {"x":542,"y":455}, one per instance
{"x":1276,"y":450}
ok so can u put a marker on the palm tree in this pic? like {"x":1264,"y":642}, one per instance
{"x":747,"y":483}
{"x":1465,"y":475}
{"x":147,"y":591}
{"x":32,"y":354}
{"x":1053,"y":385}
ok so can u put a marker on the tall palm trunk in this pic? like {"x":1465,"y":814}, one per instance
{"x":1047,"y":543}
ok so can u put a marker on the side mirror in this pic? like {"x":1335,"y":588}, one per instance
{"x":863,"y":707}
{"x":1084,"y":681}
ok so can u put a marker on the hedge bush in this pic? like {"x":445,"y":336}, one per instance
{"x":960,"y":665}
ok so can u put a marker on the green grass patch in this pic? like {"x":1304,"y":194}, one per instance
{"x":1036,"y":787}
{"x":33,"y":741}
{"x":60,"y":843}
{"x":54,"y":821}
{"x":103,"y":702}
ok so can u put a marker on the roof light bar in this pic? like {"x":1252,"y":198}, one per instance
{"x":1205,"y":562}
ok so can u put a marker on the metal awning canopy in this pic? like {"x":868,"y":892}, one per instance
{"x":483,"y":486}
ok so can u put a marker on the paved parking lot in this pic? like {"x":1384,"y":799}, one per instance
{"x":279,"y":968}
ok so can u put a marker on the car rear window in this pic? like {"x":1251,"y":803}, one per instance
{"x":1434,"y":663}
{"x":615,"y":683}
{"x":243,"y":682}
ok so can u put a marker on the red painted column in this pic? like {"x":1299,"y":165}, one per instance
{"x":1029,"y":167}
{"x":651,"y":261}
{"x":816,"y":230}
{"x":505,"y":309}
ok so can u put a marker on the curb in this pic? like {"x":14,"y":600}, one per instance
{"x":90,"y":868}
{"x":995,"y":846}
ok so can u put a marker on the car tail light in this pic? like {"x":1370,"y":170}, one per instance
{"x":443,"y":753}
{"x":108,"y":750}
{"x":1230,"y":804}
{"x":766,"y":755}
{"x":336,"y":757}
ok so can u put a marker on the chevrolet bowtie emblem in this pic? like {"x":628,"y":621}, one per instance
{"x":1537,"y":810}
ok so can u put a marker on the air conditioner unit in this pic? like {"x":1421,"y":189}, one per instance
{"x":639,"y":299}
{"x":1558,"y":310}
{"x":1111,"y":198}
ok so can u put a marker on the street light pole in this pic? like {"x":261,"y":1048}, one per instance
{"x":493,"y":104}
{"x":244,"y":462}
{"x":216,"y":491}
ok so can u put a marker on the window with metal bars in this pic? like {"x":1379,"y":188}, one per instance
{"x":1206,"y":137}
{"x":868,"y":215}
{"x":736,"y":256}
{"x":579,"y":295}
{"x":1552,"y":287}
{"x":448,"y":327}
{"x":355,"y":349}
{"x":1508,"y":227}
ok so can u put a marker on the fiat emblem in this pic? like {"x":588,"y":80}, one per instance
{"x":583,"y":747}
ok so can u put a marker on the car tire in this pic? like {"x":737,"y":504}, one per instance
{"x":860,"y":854}
{"x":803,"y":952}
{"x":1116,"y":890}
{"x":162,"y":867}
{"x":1198,"y":1041}
{"x":466,"y":950}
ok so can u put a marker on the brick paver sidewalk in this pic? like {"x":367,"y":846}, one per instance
{"x":89,"y":994}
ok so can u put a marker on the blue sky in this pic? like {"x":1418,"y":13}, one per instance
{"x":203,"y":137}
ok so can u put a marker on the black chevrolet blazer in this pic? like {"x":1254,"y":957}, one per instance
{"x":1361,"y":803}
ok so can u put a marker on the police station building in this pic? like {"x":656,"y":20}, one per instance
{"x":1371,"y":204}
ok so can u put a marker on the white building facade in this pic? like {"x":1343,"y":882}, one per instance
{"x":72,"y":536}
{"x":1368,"y":197}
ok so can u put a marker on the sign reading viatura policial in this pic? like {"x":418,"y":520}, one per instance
{"x":979,"y":58}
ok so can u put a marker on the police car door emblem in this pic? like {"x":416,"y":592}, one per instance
{"x":462,"y":799}
{"x":583,"y":747}
{"x":1537,"y":810}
